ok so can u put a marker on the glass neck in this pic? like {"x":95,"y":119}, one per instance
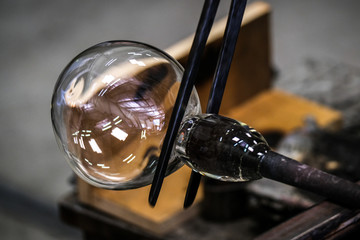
{"x":221,"y":148}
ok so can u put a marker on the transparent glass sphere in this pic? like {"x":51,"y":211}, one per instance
{"x":110,"y":111}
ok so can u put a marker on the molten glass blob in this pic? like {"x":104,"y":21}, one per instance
{"x":110,"y":112}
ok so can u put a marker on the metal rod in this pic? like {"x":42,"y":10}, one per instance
{"x":232,"y":30}
{"x":192,"y":188}
{"x":226,"y":55}
{"x":286,"y":170}
{"x":202,"y":32}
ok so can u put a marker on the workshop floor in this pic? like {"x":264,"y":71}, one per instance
{"x":38,"y":38}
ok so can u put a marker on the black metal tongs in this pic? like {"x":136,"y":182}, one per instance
{"x":207,"y":17}
{"x":273,"y":165}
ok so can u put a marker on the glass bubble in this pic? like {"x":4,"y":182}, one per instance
{"x":110,"y":111}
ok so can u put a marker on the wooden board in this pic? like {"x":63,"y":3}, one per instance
{"x":132,"y":205}
{"x":276,"y":110}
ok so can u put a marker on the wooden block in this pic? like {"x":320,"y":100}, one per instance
{"x":132,"y":205}
{"x":275,"y":110}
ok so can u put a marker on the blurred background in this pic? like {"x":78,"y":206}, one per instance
{"x":38,"y":38}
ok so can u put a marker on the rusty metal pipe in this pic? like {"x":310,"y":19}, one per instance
{"x":286,"y":170}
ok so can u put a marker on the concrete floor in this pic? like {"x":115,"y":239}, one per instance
{"x":38,"y":38}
